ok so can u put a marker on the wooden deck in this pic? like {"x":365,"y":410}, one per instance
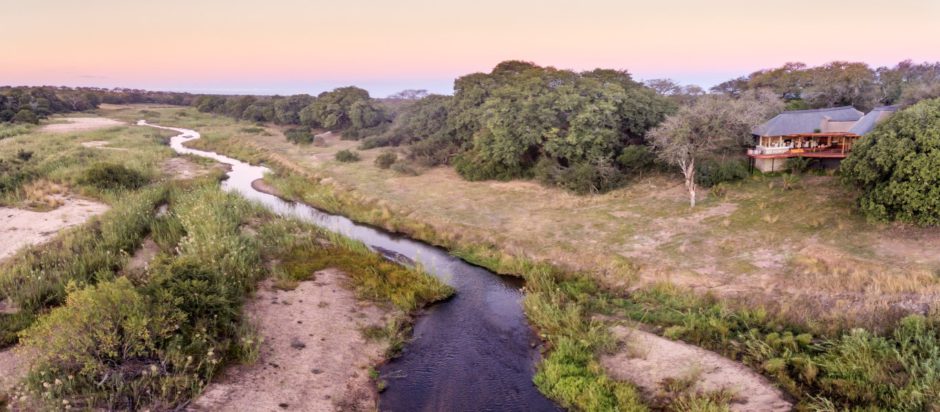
{"x":820,"y":154}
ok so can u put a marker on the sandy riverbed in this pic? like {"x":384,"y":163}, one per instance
{"x":648,"y":360}
{"x":80,"y":124}
{"x":19,"y":227}
{"x":313,"y":355}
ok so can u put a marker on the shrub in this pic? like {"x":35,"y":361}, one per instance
{"x":799,"y":165}
{"x":24,"y":155}
{"x":347,"y":156}
{"x":386,"y":160}
{"x":582,"y":178}
{"x":635,"y":159}
{"x":299,"y":135}
{"x":25,"y":116}
{"x":897,"y":167}
{"x":96,"y":345}
{"x":476,"y":168}
{"x":714,"y":171}
{"x":405,"y":169}
{"x":111,"y":176}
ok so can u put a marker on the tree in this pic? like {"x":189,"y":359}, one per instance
{"x":410,"y":94}
{"x":665,"y":87}
{"x":897,"y":167}
{"x":712,"y":124}
{"x":842,"y":84}
{"x":25,"y":116}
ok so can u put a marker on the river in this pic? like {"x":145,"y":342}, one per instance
{"x":473,"y":352}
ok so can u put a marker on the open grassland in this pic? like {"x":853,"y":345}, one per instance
{"x":102,"y":336}
{"x":782,"y":273}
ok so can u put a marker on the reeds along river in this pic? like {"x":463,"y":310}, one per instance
{"x":473,"y":352}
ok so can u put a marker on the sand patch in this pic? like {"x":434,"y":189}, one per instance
{"x":139,"y":262}
{"x":19,"y":228}
{"x":648,"y":360}
{"x":80,"y":124}
{"x":313,"y":355}
{"x":14,"y":365}
{"x":183,"y":168}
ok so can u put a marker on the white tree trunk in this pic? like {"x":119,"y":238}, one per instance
{"x":689,"y":172}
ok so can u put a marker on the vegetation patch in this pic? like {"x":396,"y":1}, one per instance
{"x":347,"y":156}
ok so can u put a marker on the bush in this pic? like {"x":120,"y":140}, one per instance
{"x":299,"y":135}
{"x":897,"y":167}
{"x":347,"y":156}
{"x":386,"y":160}
{"x":714,"y":171}
{"x":636,"y":159}
{"x":96,"y":345}
{"x":404,"y":168}
{"x":25,"y":116}
{"x":799,"y":165}
{"x":476,"y":168}
{"x":111,"y":176}
{"x":582,"y":178}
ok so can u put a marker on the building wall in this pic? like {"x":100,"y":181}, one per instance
{"x":770,"y":165}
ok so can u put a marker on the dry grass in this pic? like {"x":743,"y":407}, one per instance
{"x":750,"y":244}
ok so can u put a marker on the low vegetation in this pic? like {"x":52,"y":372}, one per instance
{"x":347,"y":156}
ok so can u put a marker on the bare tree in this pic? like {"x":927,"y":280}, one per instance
{"x":712,"y":124}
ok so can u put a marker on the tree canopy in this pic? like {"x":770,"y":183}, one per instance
{"x":842,"y":83}
{"x":897,"y":167}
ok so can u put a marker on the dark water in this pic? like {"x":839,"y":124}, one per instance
{"x":473,"y":352}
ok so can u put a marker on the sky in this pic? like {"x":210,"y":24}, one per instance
{"x":308,"y":46}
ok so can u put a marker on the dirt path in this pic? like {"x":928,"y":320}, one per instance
{"x":80,"y":124}
{"x":19,"y":227}
{"x":313,"y":355}
{"x":648,"y":360}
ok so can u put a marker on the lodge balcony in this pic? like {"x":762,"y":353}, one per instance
{"x":829,"y":147}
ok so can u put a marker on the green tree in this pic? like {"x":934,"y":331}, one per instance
{"x":25,"y":116}
{"x":897,"y":167}
{"x":711,"y":125}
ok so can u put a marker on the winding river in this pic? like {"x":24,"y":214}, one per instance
{"x":473,"y":352}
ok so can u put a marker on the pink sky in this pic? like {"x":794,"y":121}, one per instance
{"x":289,"y":46}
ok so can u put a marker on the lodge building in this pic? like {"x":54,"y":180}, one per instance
{"x":824,"y":134}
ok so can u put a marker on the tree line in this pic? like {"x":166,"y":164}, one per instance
{"x":347,"y":109}
{"x":842,"y":83}
{"x":27,"y":104}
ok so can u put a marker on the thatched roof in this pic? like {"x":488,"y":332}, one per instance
{"x":806,"y":121}
{"x":877,"y":115}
